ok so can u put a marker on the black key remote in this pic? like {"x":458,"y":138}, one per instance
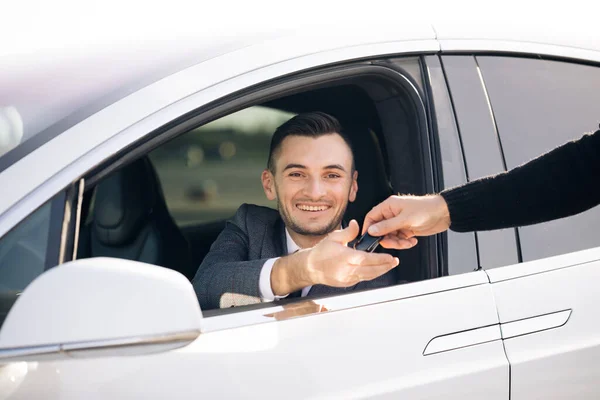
{"x":366,"y":243}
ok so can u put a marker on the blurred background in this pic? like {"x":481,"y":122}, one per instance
{"x":205,"y":172}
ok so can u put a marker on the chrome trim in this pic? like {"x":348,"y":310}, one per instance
{"x":78,"y":218}
{"x":19,"y":352}
{"x":64,"y":233}
{"x":538,"y":323}
{"x":15,"y":353}
{"x":167,"y":338}
{"x":463,"y":339}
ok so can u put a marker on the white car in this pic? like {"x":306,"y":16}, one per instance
{"x":119,"y":159}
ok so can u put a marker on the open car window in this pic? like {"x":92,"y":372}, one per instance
{"x":207,"y":172}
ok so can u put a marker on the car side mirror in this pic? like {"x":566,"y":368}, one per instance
{"x":101,"y":307}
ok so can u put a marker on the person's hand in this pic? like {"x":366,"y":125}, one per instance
{"x":331,"y":262}
{"x":401,"y":218}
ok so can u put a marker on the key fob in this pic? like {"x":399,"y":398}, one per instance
{"x":366,"y":243}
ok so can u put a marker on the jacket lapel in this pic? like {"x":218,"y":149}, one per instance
{"x":279,"y":239}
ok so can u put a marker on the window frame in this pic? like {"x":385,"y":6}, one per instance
{"x":481,"y":148}
{"x":262,"y":93}
{"x":458,"y":250}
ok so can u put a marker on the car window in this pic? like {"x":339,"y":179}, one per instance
{"x":538,"y":105}
{"x":205,"y":173}
{"x":168,"y":207}
{"x":23,"y":255}
{"x":482,"y":152}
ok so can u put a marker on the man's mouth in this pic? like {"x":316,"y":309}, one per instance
{"x":312,"y":208}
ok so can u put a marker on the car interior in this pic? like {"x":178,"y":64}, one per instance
{"x":125,"y":214}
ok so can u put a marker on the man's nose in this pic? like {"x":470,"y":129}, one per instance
{"x":315,"y":189}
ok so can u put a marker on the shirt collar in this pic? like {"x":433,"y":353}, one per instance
{"x":292,"y":247}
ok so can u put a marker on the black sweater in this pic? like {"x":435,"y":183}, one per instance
{"x":560,"y":183}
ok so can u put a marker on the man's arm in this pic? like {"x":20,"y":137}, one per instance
{"x":558,"y":184}
{"x":331,"y":262}
{"x":226,"y":277}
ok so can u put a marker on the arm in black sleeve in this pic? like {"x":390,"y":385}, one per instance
{"x":560,"y":183}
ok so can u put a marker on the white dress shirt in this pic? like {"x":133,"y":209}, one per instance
{"x":264,"y":283}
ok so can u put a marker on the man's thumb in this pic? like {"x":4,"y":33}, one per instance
{"x":345,"y":235}
{"x":389,"y":225}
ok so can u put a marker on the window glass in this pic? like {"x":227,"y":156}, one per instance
{"x":538,"y":105}
{"x":207,"y":173}
{"x":482,"y":152}
{"x":23,"y":256}
{"x":462,"y":249}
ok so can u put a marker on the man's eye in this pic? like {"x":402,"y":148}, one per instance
{"x":333,"y":176}
{"x":295,"y":174}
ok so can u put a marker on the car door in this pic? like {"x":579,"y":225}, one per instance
{"x":547,"y":304}
{"x":432,"y":339}
{"x":437,"y":338}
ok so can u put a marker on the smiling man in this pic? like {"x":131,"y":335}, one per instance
{"x":299,"y":250}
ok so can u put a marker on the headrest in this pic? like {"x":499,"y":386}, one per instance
{"x":373,"y":184}
{"x":123,"y":202}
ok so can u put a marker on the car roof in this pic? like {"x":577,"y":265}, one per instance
{"x":110,"y":63}
{"x":47,"y":79}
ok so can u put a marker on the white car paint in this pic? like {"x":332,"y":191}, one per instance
{"x":579,"y":43}
{"x":555,"y":347}
{"x":99,"y":298}
{"x":338,"y":354}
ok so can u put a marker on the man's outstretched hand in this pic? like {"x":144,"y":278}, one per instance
{"x":401,"y":218}
{"x":331,"y":262}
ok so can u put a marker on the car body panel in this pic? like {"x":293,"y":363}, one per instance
{"x":334,"y":354}
{"x":552,"y":338}
{"x":543,"y":38}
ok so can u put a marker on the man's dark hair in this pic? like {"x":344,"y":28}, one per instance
{"x":312,"y":124}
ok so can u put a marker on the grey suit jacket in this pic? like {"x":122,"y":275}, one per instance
{"x":229,"y":275}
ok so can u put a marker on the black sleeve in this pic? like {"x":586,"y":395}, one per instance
{"x":560,"y":183}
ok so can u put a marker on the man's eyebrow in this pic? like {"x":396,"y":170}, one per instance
{"x":335,"y":166}
{"x":289,"y":166}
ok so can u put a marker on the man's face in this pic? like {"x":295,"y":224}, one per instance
{"x":313,"y":183}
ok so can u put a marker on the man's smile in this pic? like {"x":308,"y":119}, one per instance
{"x":312,"y":207}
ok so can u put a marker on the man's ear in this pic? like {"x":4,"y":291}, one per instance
{"x":268,"y":183}
{"x":354,"y":187}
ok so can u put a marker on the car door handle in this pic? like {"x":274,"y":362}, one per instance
{"x":459,"y":340}
{"x":538,"y":323}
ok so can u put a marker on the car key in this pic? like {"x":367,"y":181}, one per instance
{"x":366,"y":243}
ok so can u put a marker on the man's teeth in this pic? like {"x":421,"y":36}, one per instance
{"x":313,"y":208}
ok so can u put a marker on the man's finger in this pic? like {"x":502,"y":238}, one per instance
{"x":345,"y":235}
{"x":380,"y":212}
{"x":373,"y":216}
{"x":374,"y":271}
{"x":362,"y":258}
{"x":394,"y":242}
{"x":390,"y":225}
